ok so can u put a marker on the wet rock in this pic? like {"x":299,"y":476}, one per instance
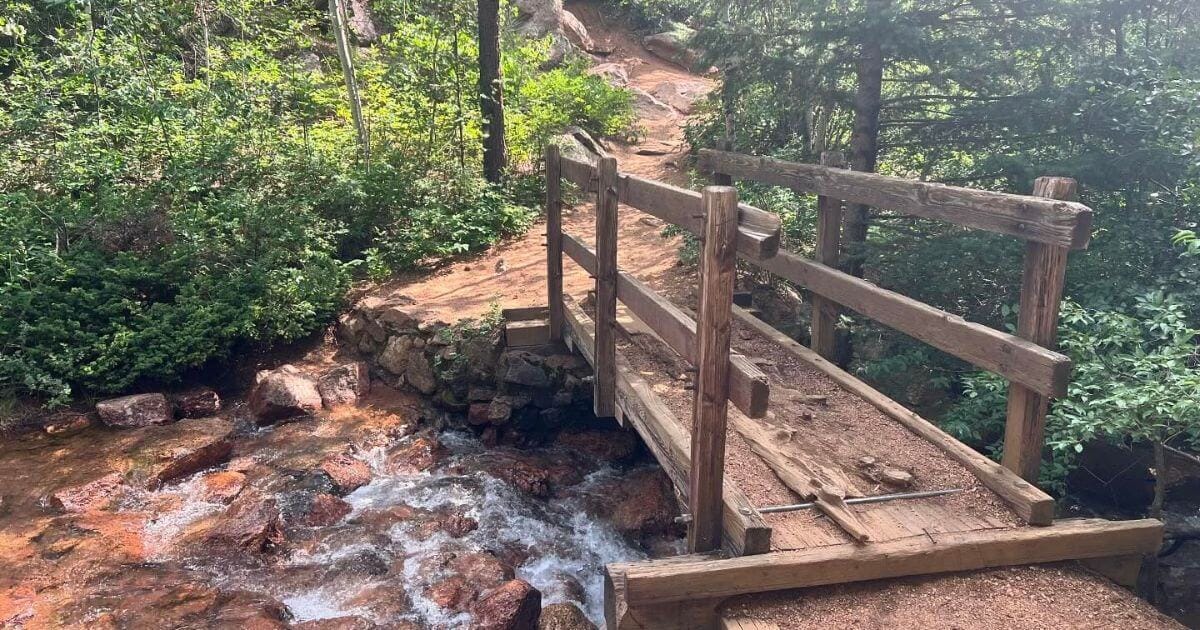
{"x":200,"y":402}
{"x":394,"y":357}
{"x":346,"y":472}
{"x":536,"y":475}
{"x":458,"y":525}
{"x":222,"y":486}
{"x":420,"y":374}
{"x":564,"y":616}
{"x":640,"y":504}
{"x":325,"y":509}
{"x":525,"y":368}
{"x":483,"y":570}
{"x":384,"y":601}
{"x":185,"y":449}
{"x":418,"y":454}
{"x":66,"y":424}
{"x":345,"y":384}
{"x":480,"y":393}
{"x":499,"y":411}
{"x":283,"y":393}
{"x":362,"y":563}
{"x":510,"y":606}
{"x":452,"y":593}
{"x":336,"y":623}
{"x":94,"y":495}
{"x":596,"y":444}
{"x":384,"y":518}
{"x":140,"y":410}
{"x":251,"y":523}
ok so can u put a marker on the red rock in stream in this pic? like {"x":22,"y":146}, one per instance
{"x":251,"y":523}
{"x":283,"y":393}
{"x":537,"y":475}
{"x":336,"y":623}
{"x":639,"y":504}
{"x":564,"y":616}
{"x":420,"y":453}
{"x":326,"y":509}
{"x":68,"y":423}
{"x":139,"y":410}
{"x":347,"y":472}
{"x":222,"y":486}
{"x":345,"y":384}
{"x":514,"y":605}
{"x":94,"y":495}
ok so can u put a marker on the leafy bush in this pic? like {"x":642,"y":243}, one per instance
{"x":183,"y":178}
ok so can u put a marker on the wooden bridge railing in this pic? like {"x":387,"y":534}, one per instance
{"x":1050,"y":222}
{"x":727,"y":228}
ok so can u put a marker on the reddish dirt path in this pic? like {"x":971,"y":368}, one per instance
{"x":513,"y":274}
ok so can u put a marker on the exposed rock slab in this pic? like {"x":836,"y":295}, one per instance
{"x":139,"y":410}
{"x":284,"y":393}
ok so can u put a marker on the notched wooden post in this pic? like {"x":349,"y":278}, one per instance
{"x":605,"y":384}
{"x":1041,"y":296}
{"x":554,"y":267}
{"x":829,"y":238}
{"x":712,"y":362}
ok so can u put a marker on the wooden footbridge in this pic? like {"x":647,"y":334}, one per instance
{"x":736,"y":544}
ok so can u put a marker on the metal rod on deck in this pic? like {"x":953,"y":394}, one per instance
{"x":897,"y":496}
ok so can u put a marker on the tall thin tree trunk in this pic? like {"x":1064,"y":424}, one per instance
{"x":337,"y":14}
{"x":864,"y":140}
{"x":491,"y":92}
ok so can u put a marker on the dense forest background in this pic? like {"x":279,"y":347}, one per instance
{"x":186,"y":178}
{"x":990,"y":95}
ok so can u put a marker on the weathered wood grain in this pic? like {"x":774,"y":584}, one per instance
{"x":1041,"y":295}
{"x":1062,"y":223}
{"x":707,"y":578}
{"x":829,"y":239}
{"x":605,"y":377}
{"x":1008,"y":355}
{"x":554,"y":268}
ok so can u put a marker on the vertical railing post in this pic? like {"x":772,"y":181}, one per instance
{"x":719,"y":256}
{"x":554,"y":266}
{"x":829,"y":239}
{"x":605,"y":384}
{"x":1041,"y":295}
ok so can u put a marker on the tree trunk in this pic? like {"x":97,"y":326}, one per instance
{"x":1160,"y":480}
{"x":491,"y":92}
{"x":337,"y":14}
{"x":864,"y":140}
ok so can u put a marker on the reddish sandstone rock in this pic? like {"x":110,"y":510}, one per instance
{"x":344,"y":384}
{"x":222,"y":486}
{"x":536,"y":475}
{"x":564,"y":617}
{"x":420,"y":453}
{"x":199,"y":402}
{"x":336,"y":623}
{"x":458,"y":525}
{"x":514,"y":605}
{"x":599,"y":444}
{"x":478,"y":414}
{"x":347,"y":473}
{"x":642,"y":503}
{"x":326,"y":509}
{"x":452,"y":593}
{"x":185,"y":459}
{"x":140,"y":410}
{"x":384,"y":518}
{"x":94,"y":495}
{"x":283,"y":393}
{"x":251,"y":523}
{"x":483,"y":570}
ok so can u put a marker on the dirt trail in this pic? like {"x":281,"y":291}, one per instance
{"x":513,"y":274}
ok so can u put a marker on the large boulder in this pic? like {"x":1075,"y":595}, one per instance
{"x":616,"y":74}
{"x":139,"y":410}
{"x":524,"y":368}
{"x":284,"y":393}
{"x":394,"y":357}
{"x":419,"y":373}
{"x":539,"y":18}
{"x":347,"y":473}
{"x":345,"y":384}
{"x":673,"y":46}
{"x":681,"y":95}
{"x":648,"y":106}
{"x":640,"y":504}
{"x":514,"y":605}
